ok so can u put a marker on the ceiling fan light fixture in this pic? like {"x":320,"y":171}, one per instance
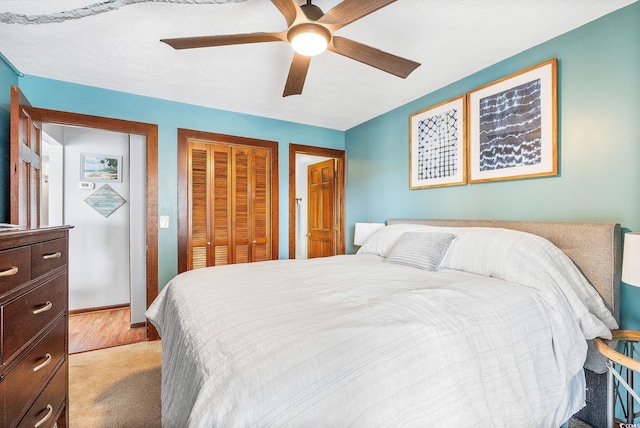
{"x":309,"y":39}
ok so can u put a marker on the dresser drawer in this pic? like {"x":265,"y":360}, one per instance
{"x":27,"y":379}
{"x":46,"y":409}
{"x":48,"y":255}
{"x":24,"y":317}
{"x":15,"y":268}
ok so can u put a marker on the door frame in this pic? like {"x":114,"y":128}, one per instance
{"x":340,"y":156}
{"x":150,"y":132}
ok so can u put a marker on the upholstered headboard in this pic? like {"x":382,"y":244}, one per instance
{"x":594,"y":247}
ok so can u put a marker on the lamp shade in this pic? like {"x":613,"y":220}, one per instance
{"x":309,"y":39}
{"x":631,"y":259}
{"x":364,"y":230}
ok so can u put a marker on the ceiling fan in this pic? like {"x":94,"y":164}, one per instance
{"x":310,"y":31}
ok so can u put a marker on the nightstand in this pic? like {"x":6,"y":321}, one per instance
{"x":629,"y":358}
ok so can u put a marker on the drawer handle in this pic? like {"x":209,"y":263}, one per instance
{"x":55,"y":255}
{"x":46,"y":417}
{"x":46,"y":362}
{"x":9,"y":272}
{"x":44,"y":308}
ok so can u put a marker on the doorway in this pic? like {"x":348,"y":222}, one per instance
{"x":300,"y":158}
{"x":143,"y":141}
{"x":107,"y":210}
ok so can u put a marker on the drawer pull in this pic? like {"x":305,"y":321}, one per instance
{"x":44,"y":308}
{"x":9,"y":272}
{"x":46,"y":417}
{"x":55,"y":255}
{"x":46,"y":362}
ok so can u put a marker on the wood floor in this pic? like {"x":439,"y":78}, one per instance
{"x":100,"y":329}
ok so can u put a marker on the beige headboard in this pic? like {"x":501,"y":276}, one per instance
{"x":594,"y":247}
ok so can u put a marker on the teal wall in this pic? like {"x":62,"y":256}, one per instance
{"x":58,"y":95}
{"x":8,"y":78}
{"x":598,"y":137}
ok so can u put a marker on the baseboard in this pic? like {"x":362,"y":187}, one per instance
{"x":97,"y":309}
{"x":138,"y":325}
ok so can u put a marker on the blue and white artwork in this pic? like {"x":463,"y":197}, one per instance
{"x":438,"y":146}
{"x":513,"y":126}
{"x":510,"y":128}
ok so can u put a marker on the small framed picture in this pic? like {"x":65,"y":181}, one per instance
{"x":95,"y":167}
{"x":513,"y":126}
{"x":437,"y":145}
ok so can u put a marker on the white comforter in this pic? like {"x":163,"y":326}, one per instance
{"x":356,"y":341}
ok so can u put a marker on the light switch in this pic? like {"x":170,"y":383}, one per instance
{"x":164,"y":222}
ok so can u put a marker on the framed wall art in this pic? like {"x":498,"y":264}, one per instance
{"x":95,"y":167}
{"x":437,"y":145}
{"x":513,"y":126}
{"x":105,"y":200}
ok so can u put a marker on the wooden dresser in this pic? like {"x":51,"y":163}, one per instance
{"x":34,"y":325}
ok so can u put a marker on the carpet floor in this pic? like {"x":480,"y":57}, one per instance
{"x":116,"y":387}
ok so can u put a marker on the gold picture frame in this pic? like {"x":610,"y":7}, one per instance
{"x":513,"y":125}
{"x":437,"y":148}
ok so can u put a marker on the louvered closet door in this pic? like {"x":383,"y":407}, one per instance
{"x":210,"y":203}
{"x":199,"y":205}
{"x":220,"y":211}
{"x":251,"y":219}
{"x":261,"y":204}
{"x":241,"y":208}
{"x":230,"y":205}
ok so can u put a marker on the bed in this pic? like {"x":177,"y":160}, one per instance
{"x":432,"y":323}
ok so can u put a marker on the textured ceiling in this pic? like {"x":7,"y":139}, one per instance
{"x":114,"y":44}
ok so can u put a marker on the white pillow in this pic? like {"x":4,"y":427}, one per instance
{"x":382,"y":240}
{"x":422,"y":250}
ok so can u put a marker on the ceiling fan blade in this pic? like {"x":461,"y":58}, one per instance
{"x":224,"y":40}
{"x":289,"y":9}
{"x":384,"y":61}
{"x":351,"y":10}
{"x":297,"y":75}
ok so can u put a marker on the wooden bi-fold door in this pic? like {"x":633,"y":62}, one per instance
{"x":251,"y":208}
{"x":229,"y":208}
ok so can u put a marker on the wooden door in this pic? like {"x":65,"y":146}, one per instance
{"x":229,"y":200}
{"x":241,"y":209}
{"x":26,"y":134}
{"x":321,"y":182}
{"x":210,"y":205}
{"x":251,"y":207}
{"x":219,"y":214}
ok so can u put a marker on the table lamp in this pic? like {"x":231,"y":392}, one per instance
{"x":364,"y":230}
